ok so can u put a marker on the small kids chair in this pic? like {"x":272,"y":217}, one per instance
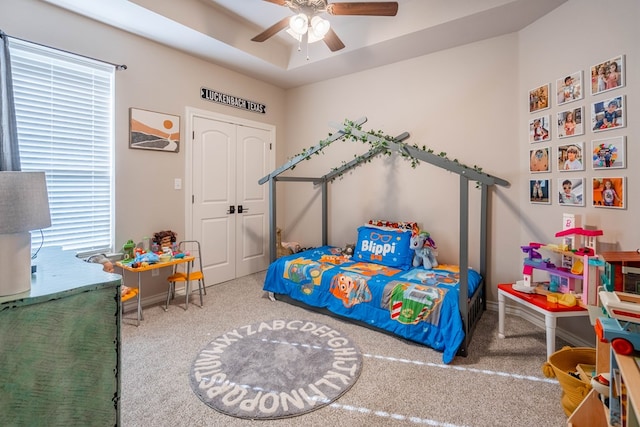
{"x":191,"y":247}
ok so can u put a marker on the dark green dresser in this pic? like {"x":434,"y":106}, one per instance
{"x":60,"y":346}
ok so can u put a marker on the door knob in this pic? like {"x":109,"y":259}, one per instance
{"x":232,"y":209}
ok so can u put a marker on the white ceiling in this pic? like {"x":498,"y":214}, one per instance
{"x":220,"y":31}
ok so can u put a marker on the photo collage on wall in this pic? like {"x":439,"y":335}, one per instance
{"x":575,"y":129}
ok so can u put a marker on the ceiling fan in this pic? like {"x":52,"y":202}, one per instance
{"x":307,"y":25}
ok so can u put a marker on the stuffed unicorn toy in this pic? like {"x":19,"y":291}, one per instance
{"x":424,"y":247}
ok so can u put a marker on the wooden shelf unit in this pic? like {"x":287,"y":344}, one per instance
{"x":613,"y":278}
{"x":593,"y":413}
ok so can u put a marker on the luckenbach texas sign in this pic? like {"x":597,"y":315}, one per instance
{"x":232,"y":101}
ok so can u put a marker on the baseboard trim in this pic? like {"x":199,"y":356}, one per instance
{"x":131,"y":305}
{"x":539,"y":322}
{"x":531,"y":317}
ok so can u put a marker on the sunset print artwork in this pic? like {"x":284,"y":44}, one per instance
{"x":154,"y":131}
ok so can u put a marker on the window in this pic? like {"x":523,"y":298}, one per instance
{"x":64,"y":110}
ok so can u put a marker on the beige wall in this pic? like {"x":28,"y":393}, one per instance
{"x":458,"y":101}
{"x":158,"y":79}
{"x":470,"y":102}
{"x":576,"y":36}
{"x":552,"y":47}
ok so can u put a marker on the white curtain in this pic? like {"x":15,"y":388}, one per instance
{"x":9,"y":150}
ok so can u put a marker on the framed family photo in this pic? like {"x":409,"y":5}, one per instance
{"x":539,"y":98}
{"x":570,"y":157}
{"x":608,"y":75}
{"x":608,"y":153}
{"x":539,"y":160}
{"x":571,"y":191}
{"x":609,"y":192}
{"x":569,"y":88}
{"x":540,"y":129}
{"x":608,"y":114}
{"x":149,"y":130}
{"x":539,"y":191}
{"x":570,"y":122}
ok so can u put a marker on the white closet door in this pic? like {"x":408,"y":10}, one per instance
{"x":230,"y":208}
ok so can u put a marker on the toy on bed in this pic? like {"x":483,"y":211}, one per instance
{"x":424,"y":247}
{"x":348,"y":250}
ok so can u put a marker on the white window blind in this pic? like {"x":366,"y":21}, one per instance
{"x":64,"y":110}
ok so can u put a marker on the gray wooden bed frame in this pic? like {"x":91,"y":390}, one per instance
{"x":471,"y":309}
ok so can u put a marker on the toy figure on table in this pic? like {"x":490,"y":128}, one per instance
{"x":107,"y":266}
{"x":165,"y":239}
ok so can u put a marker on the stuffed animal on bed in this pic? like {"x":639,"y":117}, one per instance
{"x":424,"y":247}
{"x":348,"y":250}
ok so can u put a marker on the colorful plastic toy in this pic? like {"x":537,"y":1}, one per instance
{"x":622,"y":328}
{"x":578,"y":277}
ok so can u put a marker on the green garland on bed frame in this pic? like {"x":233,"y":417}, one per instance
{"x":379,"y":143}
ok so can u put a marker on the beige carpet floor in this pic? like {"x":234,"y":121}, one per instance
{"x":500,"y":383}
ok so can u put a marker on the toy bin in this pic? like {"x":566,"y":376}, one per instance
{"x":559,"y":364}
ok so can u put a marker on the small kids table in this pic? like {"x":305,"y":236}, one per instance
{"x":539,"y":303}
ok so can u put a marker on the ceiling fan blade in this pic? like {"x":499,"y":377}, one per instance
{"x":332,"y":41}
{"x":278,"y":2}
{"x":385,"y":8}
{"x":272,"y":30}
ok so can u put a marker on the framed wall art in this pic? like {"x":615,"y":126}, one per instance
{"x":539,"y":191}
{"x":149,"y":130}
{"x":569,"y":88}
{"x":570,"y":122}
{"x":539,"y":98}
{"x":570,"y":157}
{"x":571,"y":191}
{"x":609,"y":192}
{"x":539,"y":160}
{"x":609,"y":153}
{"x":540,"y":129}
{"x":608,"y":75}
{"x":608,"y":114}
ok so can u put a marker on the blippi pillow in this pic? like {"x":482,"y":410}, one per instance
{"x":384,"y":246}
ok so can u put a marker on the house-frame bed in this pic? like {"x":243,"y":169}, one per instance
{"x":471,"y":305}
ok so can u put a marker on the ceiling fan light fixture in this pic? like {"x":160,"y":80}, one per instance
{"x":299,"y":23}
{"x":319,"y":27}
{"x":311,"y":38}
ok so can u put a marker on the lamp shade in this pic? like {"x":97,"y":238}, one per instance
{"x":24,"y":202}
{"x":24,"y":206}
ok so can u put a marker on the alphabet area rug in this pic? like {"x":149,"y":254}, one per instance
{"x":275,"y":369}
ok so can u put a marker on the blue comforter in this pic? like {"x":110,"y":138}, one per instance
{"x":419,"y":305}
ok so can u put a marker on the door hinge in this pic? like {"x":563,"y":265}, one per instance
{"x":193,"y":134}
{"x":193,"y":199}
{"x":270,"y":146}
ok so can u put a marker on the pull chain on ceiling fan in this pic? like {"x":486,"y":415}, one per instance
{"x":307,"y":26}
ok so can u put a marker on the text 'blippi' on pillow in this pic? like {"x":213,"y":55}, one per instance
{"x":388,"y":247}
